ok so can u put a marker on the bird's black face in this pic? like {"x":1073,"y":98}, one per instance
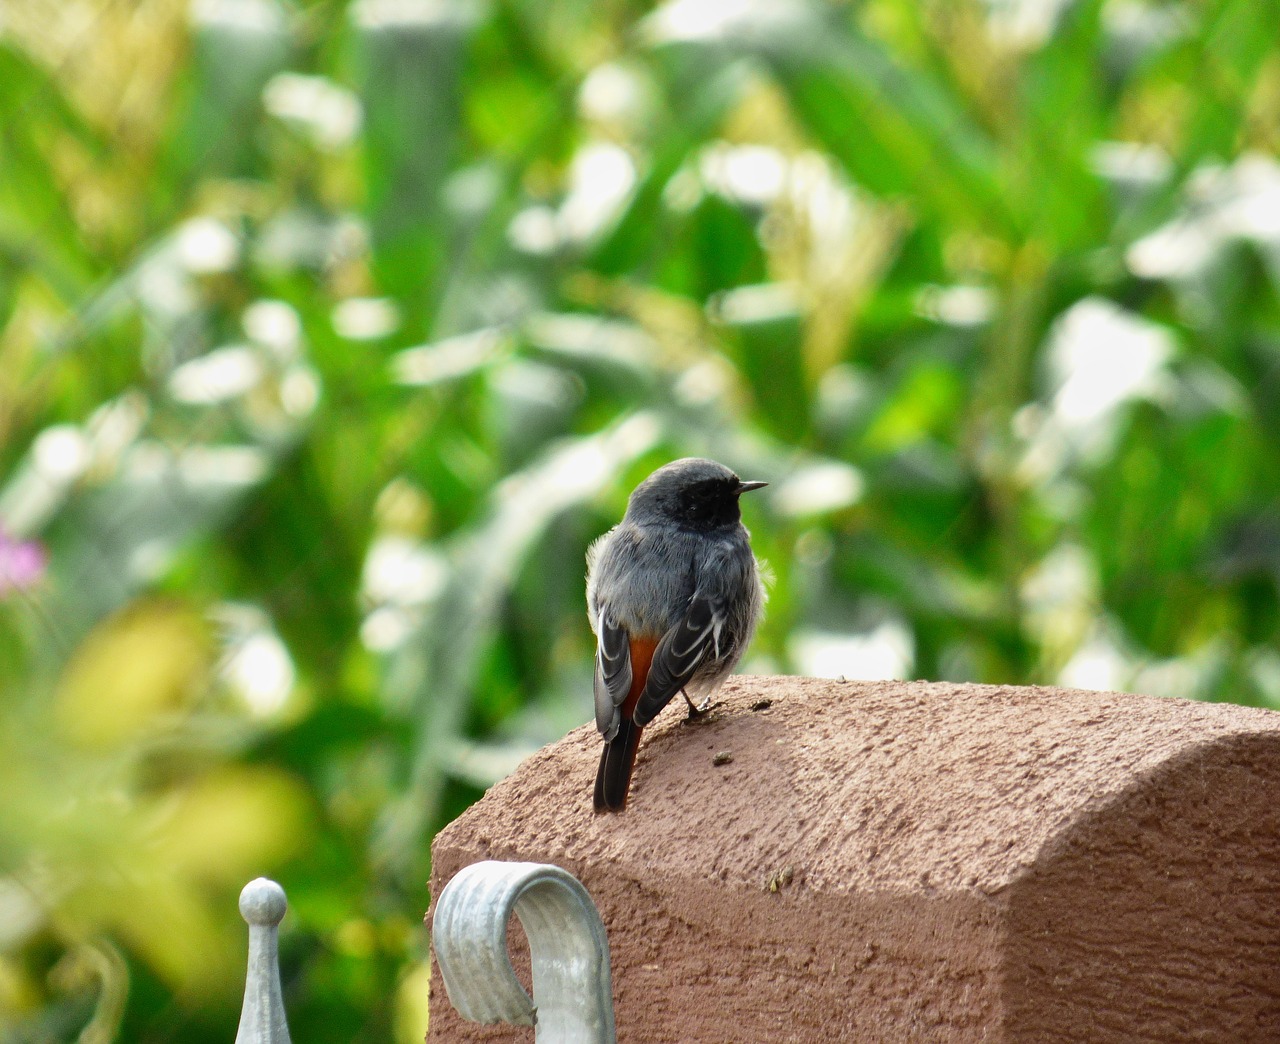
{"x":694,"y":493}
{"x":708,"y":503}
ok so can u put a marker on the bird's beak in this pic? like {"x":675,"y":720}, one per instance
{"x":747,"y":487}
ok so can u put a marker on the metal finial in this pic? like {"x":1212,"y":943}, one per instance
{"x":262,"y":1019}
{"x":572,"y":987}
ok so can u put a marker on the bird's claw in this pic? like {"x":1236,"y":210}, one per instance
{"x":696,"y":711}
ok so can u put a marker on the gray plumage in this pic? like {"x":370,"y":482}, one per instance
{"x":678,"y":570}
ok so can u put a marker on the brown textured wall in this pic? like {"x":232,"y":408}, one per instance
{"x":949,"y":863}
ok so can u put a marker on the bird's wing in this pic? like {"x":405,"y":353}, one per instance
{"x":682,"y":650}
{"x":613,"y":672}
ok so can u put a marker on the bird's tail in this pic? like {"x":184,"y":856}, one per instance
{"x":617,"y":761}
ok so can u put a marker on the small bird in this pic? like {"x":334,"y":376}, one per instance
{"x":673,"y":596}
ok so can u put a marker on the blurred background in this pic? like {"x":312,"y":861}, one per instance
{"x":332,"y":332}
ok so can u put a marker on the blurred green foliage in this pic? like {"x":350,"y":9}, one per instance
{"x":331,"y":333}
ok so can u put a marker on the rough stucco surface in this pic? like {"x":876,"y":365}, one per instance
{"x":951,"y":863}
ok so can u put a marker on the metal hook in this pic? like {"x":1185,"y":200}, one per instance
{"x":572,"y":985}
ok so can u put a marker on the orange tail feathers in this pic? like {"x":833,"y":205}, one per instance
{"x":618,"y":759}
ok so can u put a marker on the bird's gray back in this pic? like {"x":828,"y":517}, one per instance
{"x":650,"y":572}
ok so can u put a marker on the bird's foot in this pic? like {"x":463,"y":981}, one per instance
{"x":697,"y":710}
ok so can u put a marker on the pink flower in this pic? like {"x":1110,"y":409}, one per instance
{"x":22,"y":563}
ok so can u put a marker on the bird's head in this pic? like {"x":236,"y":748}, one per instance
{"x":692,"y":493}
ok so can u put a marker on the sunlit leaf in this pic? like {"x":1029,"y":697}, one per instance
{"x":145,"y":664}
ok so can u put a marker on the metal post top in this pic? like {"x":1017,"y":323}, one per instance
{"x":262,"y":902}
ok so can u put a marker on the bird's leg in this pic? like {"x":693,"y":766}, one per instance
{"x":696,"y":711}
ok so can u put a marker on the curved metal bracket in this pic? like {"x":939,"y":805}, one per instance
{"x":567,"y":941}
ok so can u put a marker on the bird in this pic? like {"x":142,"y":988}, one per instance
{"x":674,"y":594}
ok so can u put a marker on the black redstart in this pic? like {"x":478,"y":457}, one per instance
{"x":673,"y":595}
